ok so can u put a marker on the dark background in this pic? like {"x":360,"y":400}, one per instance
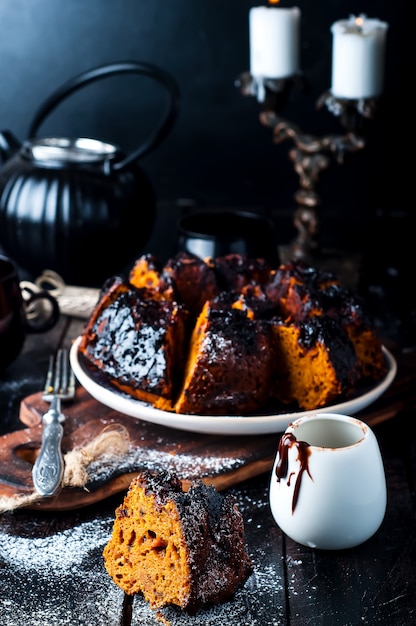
{"x":218,"y":153}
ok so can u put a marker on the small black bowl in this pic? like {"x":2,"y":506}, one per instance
{"x":217,"y":232}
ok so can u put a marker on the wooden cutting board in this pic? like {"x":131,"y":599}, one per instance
{"x":223,"y":461}
{"x":219,"y":460}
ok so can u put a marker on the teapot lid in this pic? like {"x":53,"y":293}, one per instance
{"x":66,"y":150}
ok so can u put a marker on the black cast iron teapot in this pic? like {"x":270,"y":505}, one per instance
{"x":79,"y":206}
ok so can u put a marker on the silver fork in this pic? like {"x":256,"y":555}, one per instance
{"x":48,"y":469}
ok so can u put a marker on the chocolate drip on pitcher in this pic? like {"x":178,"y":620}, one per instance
{"x":286,"y":442}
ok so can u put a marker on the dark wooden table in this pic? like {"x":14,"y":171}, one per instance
{"x":52,"y":572}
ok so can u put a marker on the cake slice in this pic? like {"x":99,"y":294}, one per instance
{"x":235,"y":271}
{"x":137,"y":343}
{"x":228,"y":368}
{"x":175,"y":547}
{"x":194,"y":280}
{"x":303,"y":292}
{"x":350,"y":313}
{"x":147,"y":272}
{"x":315,"y":362}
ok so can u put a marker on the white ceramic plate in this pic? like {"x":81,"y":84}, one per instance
{"x":221,"y":425}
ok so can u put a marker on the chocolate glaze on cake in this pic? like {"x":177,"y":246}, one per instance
{"x":230,"y":335}
{"x":234,"y":271}
{"x":229,"y":364}
{"x":137,"y":342}
{"x":302,"y":292}
{"x":194,"y":280}
{"x":315,"y":362}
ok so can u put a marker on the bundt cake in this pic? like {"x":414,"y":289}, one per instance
{"x":138,"y":342}
{"x":175,"y":547}
{"x":231,"y":335}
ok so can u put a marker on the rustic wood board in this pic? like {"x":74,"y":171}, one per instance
{"x":219,"y":460}
{"x":223,"y":461}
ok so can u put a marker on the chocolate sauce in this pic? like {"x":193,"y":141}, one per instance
{"x":286,"y":442}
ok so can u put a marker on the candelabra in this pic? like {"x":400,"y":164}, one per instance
{"x":310,"y":154}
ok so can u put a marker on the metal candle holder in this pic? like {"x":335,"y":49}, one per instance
{"x":310,"y":154}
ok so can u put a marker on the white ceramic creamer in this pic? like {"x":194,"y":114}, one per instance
{"x":328,"y":486}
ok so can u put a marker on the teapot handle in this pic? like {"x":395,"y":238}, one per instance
{"x":8,"y":145}
{"x":127,"y":67}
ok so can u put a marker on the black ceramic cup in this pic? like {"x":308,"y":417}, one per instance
{"x":15,"y":323}
{"x":215,"y":233}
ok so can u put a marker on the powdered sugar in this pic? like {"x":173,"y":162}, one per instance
{"x":188,"y":466}
{"x":59,"y":579}
{"x":260,"y":590}
{"x":43,"y":554}
{"x":52,"y":571}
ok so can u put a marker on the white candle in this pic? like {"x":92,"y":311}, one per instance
{"x":274,"y":41}
{"x":358,"y":51}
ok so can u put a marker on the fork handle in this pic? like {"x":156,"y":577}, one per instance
{"x":49,"y":466}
